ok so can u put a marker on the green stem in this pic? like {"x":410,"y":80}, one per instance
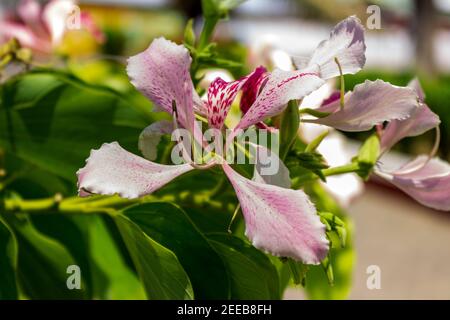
{"x":207,"y":31}
{"x":69,"y":205}
{"x":351,"y":167}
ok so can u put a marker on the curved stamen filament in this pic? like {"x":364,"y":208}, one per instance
{"x":342,"y":83}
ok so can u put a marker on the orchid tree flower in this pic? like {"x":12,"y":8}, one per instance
{"x":426,"y":178}
{"x":42,"y":28}
{"x":371,"y":102}
{"x":345,"y":45}
{"x":281,"y":221}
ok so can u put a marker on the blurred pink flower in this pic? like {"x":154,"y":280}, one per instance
{"x":41,"y":28}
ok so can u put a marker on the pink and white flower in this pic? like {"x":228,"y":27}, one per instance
{"x":278,"y":220}
{"x":41,"y":28}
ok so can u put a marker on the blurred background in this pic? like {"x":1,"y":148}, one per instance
{"x":407,"y":241}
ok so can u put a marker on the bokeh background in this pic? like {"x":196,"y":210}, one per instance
{"x":410,"y":243}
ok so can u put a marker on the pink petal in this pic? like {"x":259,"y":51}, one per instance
{"x":200,"y":107}
{"x":151,"y":136}
{"x":89,"y":24}
{"x":162,"y":74}
{"x":346,"y":43}
{"x":371,"y":103}
{"x":27,"y":38}
{"x":415,"y":85}
{"x":281,"y":87}
{"x":421,"y":120}
{"x":29,"y":11}
{"x":280,"y":221}
{"x":252,"y":87}
{"x":55,"y":15}
{"x":221,"y":95}
{"x":426,"y":182}
{"x":111,"y":169}
{"x":332,"y":103}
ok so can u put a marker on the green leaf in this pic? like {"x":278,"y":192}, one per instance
{"x":298,"y":271}
{"x":90,"y":243}
{"x":158,"y":267}
{"x":312,"y":146}
{"x":61,"y":228}
{"x":8,"y":263}
{"x":42,"y":263}
{"x":52,"y":120}
{"x":172,"y":228}
{"x":368,"y":156}
{"x":334,"y":224}
{"x":118,"y":282}
{"x":312,"y":161}
{"x":189,"y":34}
{"x":251,"y":272}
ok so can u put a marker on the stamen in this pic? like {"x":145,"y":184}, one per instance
{"x":234,"y":217}
{"x":342,"y":83}
{"x":186,"y":157}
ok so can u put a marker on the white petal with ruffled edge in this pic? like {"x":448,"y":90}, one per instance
{"x":161,"y":73}
{"x":113,"y":170}
{"x":280,"y":221}
{"x":346,"y":43}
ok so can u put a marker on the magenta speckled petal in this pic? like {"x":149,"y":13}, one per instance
{"x":252,"y":87}
{"x":281,"y":87}
{"x":161,"y":73}
{"x":280,"y":221}
{"x":221,"y":95}
{"x":427,"y":182}
{"x":113,"y":170}
{"x":371,"y":103}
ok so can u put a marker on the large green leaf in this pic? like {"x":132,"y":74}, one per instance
{"x":52,"y":120}
{"x":159,"y":269}
{"x":252,"y":274}
{"x":111,"y":276}
{"x":172,"y":228}
{"x":8,"y":263}
{"x":89,"y":241}
{"x":42,"y":263}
